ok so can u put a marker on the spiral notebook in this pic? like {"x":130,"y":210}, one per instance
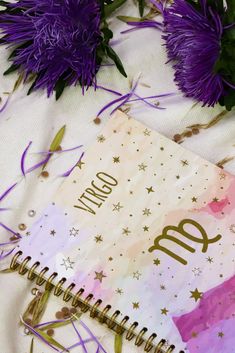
{"x":142,"y":235}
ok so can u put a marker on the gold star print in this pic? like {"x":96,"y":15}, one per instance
{"x":164,"y":311}
{"x":196,"y":295}
{"x":110,"y":258}
{"x":194,"y":199}
{"x":136,"y":275}
{"x":99,"y":276}
{"x":52,"y":232}
{"x":197,"y":271}
{"x":209,"y":259}
{"x":80,"y":164}
{"x":232,"y":228}
{"x":145,"y":228}
{"x":220,"y":334}
{"x":194,"y":334}
{"x":117,"y":207}
{"x":146,"y":212}
{"x":142,"y":166}
{"x":222,"y":176}
{"x":100,"y":138}
{"x":162,"y":148}
{"x":116,"y":159}
{"x":215,"y":199}
{"x":184,"y":162}
{"x":73,"y":232}
{"x":67,"y":263}
{"x":147,"y":132}
{"x":136,"y":305}
{"x":156,"y":262}
{"x":162,"y":287}
{"x":177,"y":176}
{"x":126,"y":231}
{"x":150,"y":189}
{"x":98,"y":239}
{"x":119,"y":291}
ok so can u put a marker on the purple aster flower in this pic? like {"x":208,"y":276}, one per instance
{"x":193,"y":43}
{"x":57,"y":40}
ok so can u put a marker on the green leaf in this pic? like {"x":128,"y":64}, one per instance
{"x":18,"y":82}
{"x":129,"y":19}
{"x":31,"y":346}
{"x":7,"y":270}
{"x":57,"y":139}
{"x":40,"y":307}
{"x":56,"y":142}
{"x":11,"y":69}
{"x":229,"y":100}
{"x":110,"y":8}
{"x":141,"y":7}
{"x":118,"y":344}
{"x":51,"y":340}
{"x":112,"y":54}
{"x":75,"y":317}
{"x":59,"y":88}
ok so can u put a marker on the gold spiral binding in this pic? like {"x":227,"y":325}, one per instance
{"x":84,"y":304}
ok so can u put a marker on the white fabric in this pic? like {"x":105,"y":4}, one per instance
{"x":36,"y":118}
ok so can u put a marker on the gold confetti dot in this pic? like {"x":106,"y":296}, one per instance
{"x":59,"y":315}
{"x":97,"y":120}
{"x":188,"y":133}
{"x":44,"y":174}
{"x":177,"y":137}
{"x":195,"y":131}
{"x":50,"y":332}
{"x":22,"y":226}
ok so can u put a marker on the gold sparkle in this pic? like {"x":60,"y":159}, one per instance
{"x":52,"y":232}
{"x":184,"y":162}
{"x":209,"y":259}
{"x":117,"y":207}
{"x":156,"y":262}
{"x":100,"y":138}
{"x":194,"y":334}
{"x":196,"y":295}
{"x":142,"y":166}
{"x":164,"y":311}
{"x":146,"y":212}
{"x":215,"y":199}
{"x":177,"y":176}
{"x":116,"y":159}
{"x":194,"y":199}
{"x":220,"y":334}
{"x":147,"y":132}
{"x":119,"y":291}
{"x":162,"y":287}
{"x":145,"y":228}
{"x":98,"y":239}
{"x":99,"y":276}
{"x":150,"y":189}
{"x":136,"y":305}
{"x":110,"y":258}
{"x":126,"y":231}
{"x":136,"y":275}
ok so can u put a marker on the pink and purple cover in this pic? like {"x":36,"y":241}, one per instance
{"x":149,"y":228}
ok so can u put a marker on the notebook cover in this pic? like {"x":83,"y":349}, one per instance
{"x":149,"y":228}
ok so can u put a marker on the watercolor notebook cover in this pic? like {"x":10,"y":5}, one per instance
{"x":149,"y":228}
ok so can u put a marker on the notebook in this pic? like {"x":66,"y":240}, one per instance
{"x":142,"y":235}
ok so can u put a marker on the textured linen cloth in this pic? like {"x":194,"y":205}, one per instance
{"x":36,"y":118}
